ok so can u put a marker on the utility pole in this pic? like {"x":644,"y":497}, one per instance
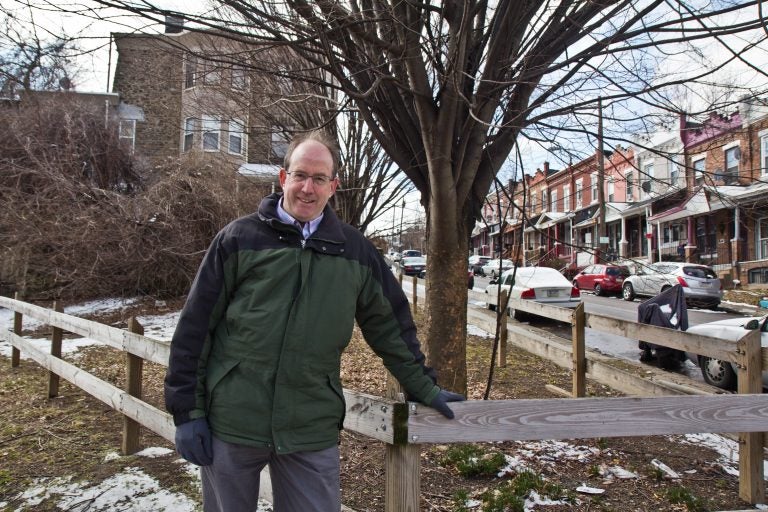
{"x":400,"y":236}
{"x":600,"y":180}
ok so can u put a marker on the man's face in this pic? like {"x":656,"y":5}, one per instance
{"x":307,"y":184}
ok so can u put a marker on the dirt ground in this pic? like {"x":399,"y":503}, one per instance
{"x":72,"y":434}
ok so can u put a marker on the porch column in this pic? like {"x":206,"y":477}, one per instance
{"x":623,"y":243}
{"x":690,"y":247}
{"x":658,"y":240}
{"x":525,"y":245}
{"x":649,"y":230}
{"x":735,"y":243}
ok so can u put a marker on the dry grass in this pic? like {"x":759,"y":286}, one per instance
{"x":70,"y":436}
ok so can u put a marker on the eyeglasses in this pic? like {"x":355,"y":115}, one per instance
{"x":319,"y":180}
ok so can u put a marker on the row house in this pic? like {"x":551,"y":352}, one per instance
{"x":699,"y":196}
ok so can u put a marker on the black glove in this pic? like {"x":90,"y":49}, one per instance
{"x":193,"y":442}
{"x":440,"y":402}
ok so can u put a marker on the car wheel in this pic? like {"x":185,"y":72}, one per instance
{"x":520,"y":316}
{"x":598,"y":290}
{"x":717,"y":373}
{"x":627,"y":292}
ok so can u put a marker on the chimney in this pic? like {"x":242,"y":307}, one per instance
{"x":174,"y":24}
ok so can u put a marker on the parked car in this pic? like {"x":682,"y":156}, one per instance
{"x":470,"y":277}
{"x":411,"y":253}
{"x":491,"y":268}
{"x":542,"y":284}
{"x":701,"y":285}
{"x":413,"y":266}
{"x":476,"y":263}
{"x":601,"y":278}
{"x":720,"y":373}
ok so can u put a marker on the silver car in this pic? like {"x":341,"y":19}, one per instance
{"x":700,"y":284}
{"x":721,"y":373}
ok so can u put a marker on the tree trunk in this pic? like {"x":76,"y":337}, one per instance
{"x":447,"y":246}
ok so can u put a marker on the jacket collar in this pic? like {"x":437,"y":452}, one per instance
{"x":330,"y":229}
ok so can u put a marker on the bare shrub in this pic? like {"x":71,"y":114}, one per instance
{"x":77,"y":222}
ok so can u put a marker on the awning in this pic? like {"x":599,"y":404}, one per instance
{"x":695,"y":205}
{"x":585,"y":223}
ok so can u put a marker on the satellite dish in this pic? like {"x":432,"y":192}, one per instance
{"x":65,"y":83}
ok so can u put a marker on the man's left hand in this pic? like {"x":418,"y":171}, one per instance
{"x":440,"y":402}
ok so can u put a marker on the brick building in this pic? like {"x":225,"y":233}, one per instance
{"x":705,"y":189}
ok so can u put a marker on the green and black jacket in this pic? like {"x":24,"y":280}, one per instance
{"x":258,"y":344}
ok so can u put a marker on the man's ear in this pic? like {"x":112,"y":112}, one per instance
{"x":282,"y":176}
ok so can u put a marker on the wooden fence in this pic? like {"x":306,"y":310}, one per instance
{"x":404,"y":427}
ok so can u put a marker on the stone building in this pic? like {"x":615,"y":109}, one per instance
{"x":196,"y":94}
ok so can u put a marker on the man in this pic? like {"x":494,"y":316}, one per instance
{"x":254,"y":372}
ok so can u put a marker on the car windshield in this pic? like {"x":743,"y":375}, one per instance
{"x":700,"y":272}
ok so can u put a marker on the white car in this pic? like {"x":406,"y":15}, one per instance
{"x":700,"y":283}
{"x":491,"y":268}
{"x":721,"y":373}
{"x":542,"y":284}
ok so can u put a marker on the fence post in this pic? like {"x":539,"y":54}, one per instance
{"x":15,"y":354}
{"x":402,"y":468}
{"x":415,"y":280}
{"x":751,"y":484}
{"x":579,"y":355}
{"x":53,"y":378}
{"x":501,"y":353}
{"x":134,"y":367}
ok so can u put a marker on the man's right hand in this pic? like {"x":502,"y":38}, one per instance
{"x":440,"y":402}
{"x":193,"y":442}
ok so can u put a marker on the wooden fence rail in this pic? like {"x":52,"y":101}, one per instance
{"x":401,"y":425}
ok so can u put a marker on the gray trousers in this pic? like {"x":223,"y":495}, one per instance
{"x":301,"y":482}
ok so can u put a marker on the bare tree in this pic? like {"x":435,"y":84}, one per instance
{"x":447,"y":88}
{"x":32,"y":58}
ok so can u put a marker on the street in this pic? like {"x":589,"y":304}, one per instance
{"x":613,"y":306}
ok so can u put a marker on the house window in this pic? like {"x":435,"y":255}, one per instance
{"x":189,"y":133}
{"x":279,"y":143}
{"x":764,"y":153}
{"x":553,"y":200}
{"x":211,"y":74}
{"x":190,"y":71}
{"x":566,"y":198}
{"x":593,"y":187}
{"x":646,"y":180}
{"x":579,"y":192}
{"x":674,"y":172}
{"x":698,"y":171}
{"x":236,"y":136}
{"x":211,"y":129}
{"x":239,"y":77}
{"x":127,"y":133}
{"x":630,"y":193}
{"x":761,"y":237}
{"x":533,"y":203}
{"x":732,"y":165}
{"x":543,"y":199}
{"x":611,"y":189}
